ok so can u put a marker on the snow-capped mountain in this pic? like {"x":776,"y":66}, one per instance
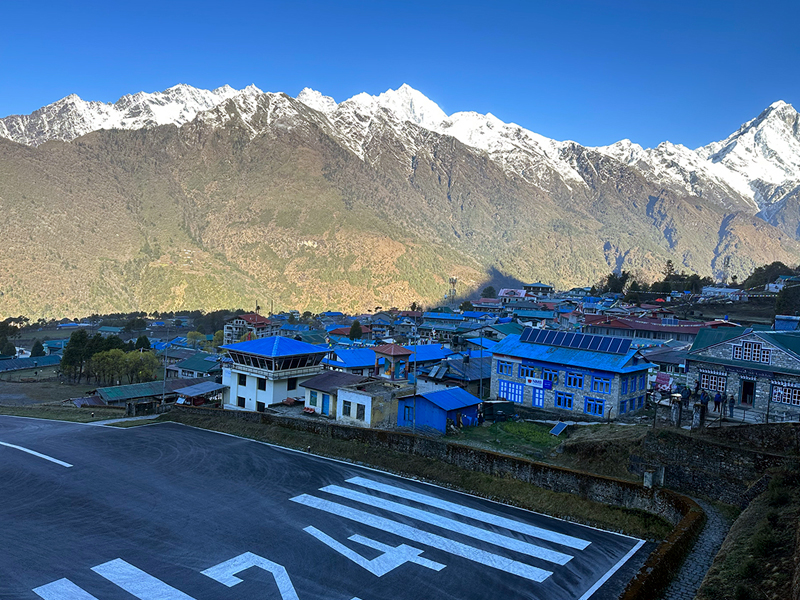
{"x":751,"y":171}
{"x":72,"y":117}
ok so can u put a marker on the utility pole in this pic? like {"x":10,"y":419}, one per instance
{"x":166,"y":360}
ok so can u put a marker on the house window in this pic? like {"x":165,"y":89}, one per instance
{"x":260,"y":406}
{"x":641,"y":402}
{"x":564,"y":400}
{"x":346,"y":408}
{"x":593,"y":406}
{"x":623,"y":407}
{"x":504,"y":368}
{"x":312,"y":398}
{"x":575,"y":380}
{"x":358,"y":371}
{"x":624,"y":386}
{"x":752,"y":351}
{"x":641,"y":382}
{"x":786,"y":395}
{"x":242,"y":379}
{"x":601,"y":384}
{"x":262,"y":384}
{"x":240,"y":401}
{"x":408,"y":413}
{"x":291,"y":383}
{"x":360,"y":411}
{"x":713,"y":383}
{"x":510,"y":390}
{"x":525,"y":371}
{"x":549,"y":374}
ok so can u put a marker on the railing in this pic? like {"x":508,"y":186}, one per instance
{"x":279,"y":374}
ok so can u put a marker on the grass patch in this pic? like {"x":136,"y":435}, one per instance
{"x":517,"y":438}
{"x":63,"y":413}
{"x":506,"y":490}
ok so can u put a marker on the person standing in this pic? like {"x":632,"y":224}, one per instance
{"x":723,"y":405}
{"x":731,"y":403}
{"x":717,"y":401}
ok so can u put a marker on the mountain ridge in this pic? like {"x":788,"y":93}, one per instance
{"x":315,"y":204}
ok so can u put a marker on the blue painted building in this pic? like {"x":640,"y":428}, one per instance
{"x":570,"y":372}
{"x":433,"y":409}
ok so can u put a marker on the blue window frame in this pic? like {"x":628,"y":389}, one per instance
{"x":408,"y":414}
{"x":641,"y":401}
{"x":623,"y":407}
{"x":564,"y":400}
{"x":525,"y":371}
{"x":549,"y":374}
{"x":594,"y":406}
{"x":574,"y":380}
{"x":624,"y":386}
{"x":601,"y":384}
{"x":641,"y":382}
{"x":510,"y":390}
{"x":504,"y":368}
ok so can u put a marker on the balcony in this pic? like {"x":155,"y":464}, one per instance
{"x":275,"y":375}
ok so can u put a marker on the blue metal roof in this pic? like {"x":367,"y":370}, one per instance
{"x":451,"y":398}
{"x":570,"y":357}
{"x":275,"y":346}
{"x":442,"y":316}
{"x":475,"y":314}
{"x":486,"y":343}
{"x":295,"y":327}
{"x":17,"y":364}
{"x":535,"y":314}
{"x":426,"y":352}
{"x":352,"y":358}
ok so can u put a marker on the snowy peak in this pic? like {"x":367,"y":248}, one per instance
{"x":72,"y":117}
{"x":314,"y":99}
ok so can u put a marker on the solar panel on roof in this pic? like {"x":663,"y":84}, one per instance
{"x":549,"y":337}
{"x":595,"y":343}
{"x":613,"y":347}
{"x":559,"y":339}
{"x":568,"y":339}
{"x":585,"y":341}
{"x":626,"y":345}
{"x":604,"y":344}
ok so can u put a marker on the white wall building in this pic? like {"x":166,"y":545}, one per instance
{"x":268,"y":371}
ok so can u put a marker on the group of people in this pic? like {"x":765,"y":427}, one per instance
{"x":721,"y":401}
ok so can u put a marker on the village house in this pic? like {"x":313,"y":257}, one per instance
{"x":760,"y":368}
{"x":649,"y":330}
{"x":436,"y":409}
{"x":268,"y":371}
{"x":253,"y":324}
{"x":570,"y":372}
{"x":200,"y":364}
{"x":371,"y":403}
{"x":322,"y":390}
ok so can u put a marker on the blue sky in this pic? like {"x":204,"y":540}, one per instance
{"x":593,"y":71}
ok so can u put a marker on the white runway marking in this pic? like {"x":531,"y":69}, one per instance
{"x":39,"y":454}
{"x":63,"y":589}
{"x":611,"y":571}
{"x":476,"y":533}
{"x":226,"y":572}
{"x":485,"y":517}
{"x":429,"y":539}
{"x":370,"y":543}
{"x":138,"y":583}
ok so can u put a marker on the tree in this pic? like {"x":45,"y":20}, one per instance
{"x":766,"y":274}
{"x":466,"y":305}
{"x":489,"y":292}
{"x":73,"y":362}
{"x":355,"y":331}
{"x":669,"y":269}
{"x":292,"y":319}
{"x":142,"y":343}
{"x":788,"y":301}
{"x":8,"y":349}
{"x":414,"y":307}
{"x":137,"y":324}
{"x":37,"y":350}
{"x":219,"y":339}
{"x":195,"y":338}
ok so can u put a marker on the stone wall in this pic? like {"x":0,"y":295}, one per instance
{"x":699,"y":466}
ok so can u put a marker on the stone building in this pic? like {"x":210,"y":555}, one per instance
{"x":760,"y":368}
{"x":565,"y":372}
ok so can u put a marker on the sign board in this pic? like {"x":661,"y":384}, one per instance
{"x":663,"y":381}
{"x":539,"y":383}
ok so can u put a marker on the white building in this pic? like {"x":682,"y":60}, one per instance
{"x":268,"y":371}
{"x":257,"y":326}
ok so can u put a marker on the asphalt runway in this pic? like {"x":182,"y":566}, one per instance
{"x":169,"y":512}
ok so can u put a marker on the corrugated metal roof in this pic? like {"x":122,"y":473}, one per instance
{"x":123,"y":393}
{"x":451,"y":398}
{"x":199,"y":362}
{"x":353,"y":358}
{"x":275,"y":346}
{"x":330,"y":381}
{"x":569,"y":357}
{"x":199,"y":389}
{"x":18,"y":364}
